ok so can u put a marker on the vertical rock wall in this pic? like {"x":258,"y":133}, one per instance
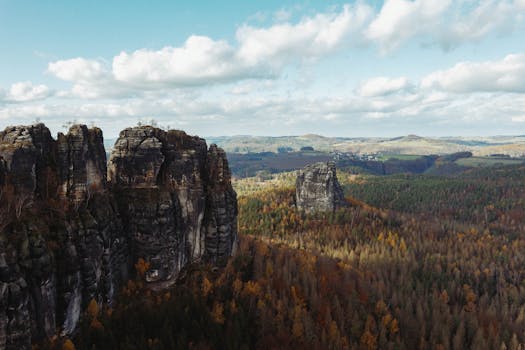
{"x":167,"y":191}
{"x":67,"y":235}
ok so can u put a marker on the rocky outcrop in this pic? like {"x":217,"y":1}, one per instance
{"x":68,"y":236}
{"x":317,"y":188}
{"x":61,"y":242}
{"x":25,"y":153}
{"x":81,"y":163}
{"x":221,"y":210}
{"x":175,"y":202}
{"x":28,"y":154}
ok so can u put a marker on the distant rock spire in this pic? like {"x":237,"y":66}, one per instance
{"x":317,"y":188}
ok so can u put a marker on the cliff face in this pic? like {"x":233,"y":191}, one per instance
{"x":67,"y":235}
{"x":81,"y":163}
{"x":317,"y":188}
{"x":220,"y":219}
{"x":177,"y":205}
{"x":25,"y":262}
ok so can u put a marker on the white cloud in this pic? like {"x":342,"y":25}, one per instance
{"x":242,"y":89}
{"x":258,"y":53}
{"x":506,"y":75}
{"x":25,"y":91}
{"x":199,"y":61}
{"x":400,"y":20}
{"x":312,"y":37}
{"x":442,"y":22}
{"x":91,"y":79}
{"x":340,"y":115}
{"x":488,"y":16}
{"x":250,"y":85}
{"x":265,"y":52}
{"x":78,"y":70}
{"x":381,"y":86}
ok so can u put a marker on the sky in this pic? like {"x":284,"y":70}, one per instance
{"x":334,"y":68}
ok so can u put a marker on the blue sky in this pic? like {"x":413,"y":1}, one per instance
{"x":427,"y":67}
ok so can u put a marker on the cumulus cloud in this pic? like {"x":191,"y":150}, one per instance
{"x":205,"y":80}
{"x":78,"y":69}
{"x":260,"y":52}
{"x":400,"y":20}
{"x":91,"y":78}
{"x":25,"y":91}
{"x":310,"y":38}
{"x":487,"y":17}
{"x":200,"y":60}
{"x":506,"y":75}
{"x":381,"y":86}
{"x":443,"y":22}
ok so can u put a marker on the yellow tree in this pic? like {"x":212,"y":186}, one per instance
{"x":93,"y":308}
{"x":206,"y":287}
{"x":68,"y":345}
{"x":142,"y":266}
{"x":218,"y":313}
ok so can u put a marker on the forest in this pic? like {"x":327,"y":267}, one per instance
{"x":414,"y":262}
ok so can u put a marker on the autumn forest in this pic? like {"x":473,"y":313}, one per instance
{"x":414,"y":262}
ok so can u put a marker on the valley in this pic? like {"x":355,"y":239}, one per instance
{"x":382,"y":251}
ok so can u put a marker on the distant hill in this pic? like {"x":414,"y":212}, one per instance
{"x":513,"y":146}
{"x":256,"y":144}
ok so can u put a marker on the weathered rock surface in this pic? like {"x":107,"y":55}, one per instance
{"x":317,"y":188}
{"x":28,"y":153}
{"x":221,"y":210}
{"x":81,"y":163}
{"x":67,"y":235}
{"x":61,"y":242}
{"x":176,"y":205}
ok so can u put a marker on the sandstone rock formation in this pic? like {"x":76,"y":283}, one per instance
{"x":176,"y":198}
{"x":67,"y":235}
{"x":81,"y":163}
{"x":317,"y":188}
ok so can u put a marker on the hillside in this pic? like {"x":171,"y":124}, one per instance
{"x":430,"y":263}
{"x":483,"y":146}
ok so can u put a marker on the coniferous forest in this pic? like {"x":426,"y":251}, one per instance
{"x":415,"y":262}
